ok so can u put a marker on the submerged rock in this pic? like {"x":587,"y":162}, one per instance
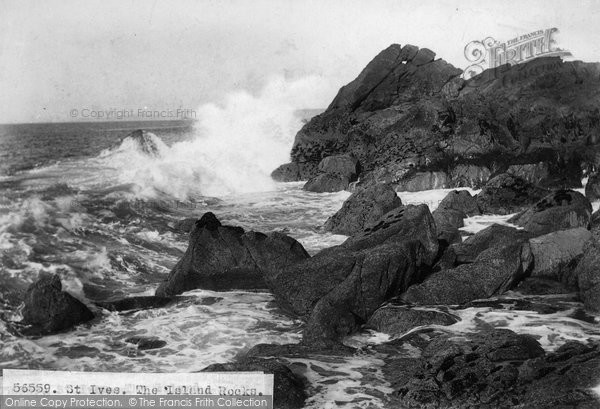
{"x":560,"y":210}
{"x":47,"y":309}
{"x":295,"y":171}
{"x":365,"y":206}
{"x":225,"y":258}
{"x":145,"y":343}
{"x":136,"y":303}
{"x":327,"y":183}
{"x":145,"y":141}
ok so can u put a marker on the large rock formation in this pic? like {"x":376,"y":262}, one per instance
{"x":225,"y":257}
{"x":364,"y":207}
{"x":47,"y":309}
{"x":340,"y":287}
{"x":408,"y":112}
{"x":506,"y":194}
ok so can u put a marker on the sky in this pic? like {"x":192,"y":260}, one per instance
{"x":60,"y":56}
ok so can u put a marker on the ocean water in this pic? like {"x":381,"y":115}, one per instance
{"x":81,"y":201}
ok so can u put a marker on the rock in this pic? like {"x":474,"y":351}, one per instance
{"x":560,"y":210}
{"x":343,"y":165}
{"x":136,"y":303}
{"x":424,"y":56}
{"x":295,"y":171}
{"x":327,"y":183}
{"x":340,"y":287}
{"x":556,"y":254}
{"x":224,"y":258}
{"x":145,"y":343}
{"x":447,"y":222}
{"x":365,"y":206}
{"x":462,"y":201}
{"x":588,"y":279}
{"x":541,"y":286}
{"x":496,"y":235}
{"x":494,"y":369}
{"x":47,"y":309}
{"x":423,"y":181}
{"x":494,"y":271}
{"x":289,"y":391}
{"x":146,"y":141}
{"x":592,"y":187}
{"x":506,"y":194}
{"x":469,"y":176}
{"x":396,"y":320}
{"x":534,"y":173}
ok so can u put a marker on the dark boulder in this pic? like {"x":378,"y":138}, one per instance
{"x":47,"y":309}
{"x":447,"y":222}
{"x":495,"y":369}
{"x":506,"y":194}
{"x":295,"y":172}
{"x":185,"y":225}
{"x":396,"y":320}
{"x":327,"y":183}
{"x":145,"y":141}
{"x":494,"y":271}
{"x":224,"y":258}
{"x":289,"y":387}
{"x":496,"y":235}
{"x":560,"y":210}
{"x":460,"y":200}
{"x":340,"y":287}
{"x":365,"y":206}
{"x":592,"y":188}
{"x":556,"y":254}
{"x":588,"y":279}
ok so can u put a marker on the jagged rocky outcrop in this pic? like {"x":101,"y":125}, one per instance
{"x":225,"y":257}
{"x":408,"y":114}
{"x":364,"y":207}
{"x":339,"y":288}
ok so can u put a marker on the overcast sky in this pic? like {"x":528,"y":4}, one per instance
{"x":59,"y":55}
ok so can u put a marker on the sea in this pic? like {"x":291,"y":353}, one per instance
{"x":84,"y":201}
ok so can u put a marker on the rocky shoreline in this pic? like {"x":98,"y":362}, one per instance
{"x":525,"y":135}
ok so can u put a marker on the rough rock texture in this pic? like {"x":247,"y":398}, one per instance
{"x":295,"y":171}
{"x":405,"y":108}
{"x":556,"y":254}
{"x":588,"y":277}
{"x":494,"y":271}
{"x":423,"y":181}
{"x":506,"y":194}
{"x":460,"y":200}
{"x":535,"y":173}
{"x":344,"y":165}
{"x":289,"y":392}
{"x":396,"y":320}
{"x":47,"y":309}
{"x":592,"y":188}
{"x":495,"y":369}
{"x":340,"y":287}
{"x":560,"y":210}
{"x":365,"y":206}
{"x":463,"y":175}
{"x":224,"y":258}
{"x":447,"y":222}
{"x":327,"y":183}
{"x":496,"y":235}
